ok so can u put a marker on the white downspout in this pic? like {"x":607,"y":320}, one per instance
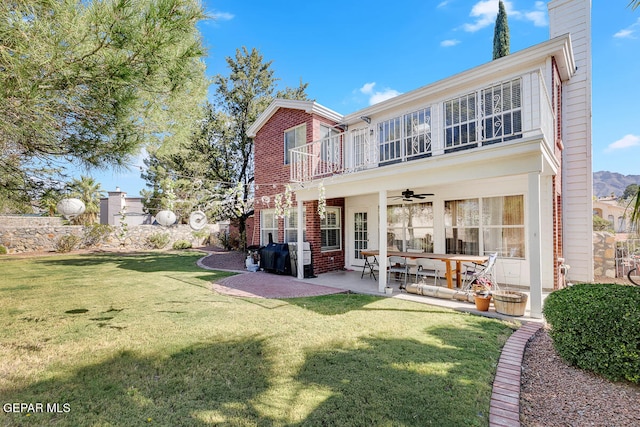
{"x":300,"y":237}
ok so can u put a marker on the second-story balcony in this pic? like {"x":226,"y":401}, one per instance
{"x":493,"y":114}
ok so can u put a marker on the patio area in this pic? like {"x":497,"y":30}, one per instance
{"x":267,"y":285}
{"x":349,"y":280}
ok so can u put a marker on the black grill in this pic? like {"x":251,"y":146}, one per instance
{"x":274,"y":258}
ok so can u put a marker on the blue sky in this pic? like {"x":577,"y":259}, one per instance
{"x":356,"y":53}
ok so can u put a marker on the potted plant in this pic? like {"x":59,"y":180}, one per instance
{"x":482,"y":289}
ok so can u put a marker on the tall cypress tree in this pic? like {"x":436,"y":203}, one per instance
{"x":501,"y":34}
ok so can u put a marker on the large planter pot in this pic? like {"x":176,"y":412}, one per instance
{"x":511,"y":303}
{"x":482,"y":302}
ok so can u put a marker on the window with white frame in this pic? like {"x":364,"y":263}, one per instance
{"x":462,"y":226}
{"x":460,"y":118}
{"x":294,"y":137}
{"x":360,"y":148}
{"x":486,"y":225}
{"x":331,"y":229}
{"x":405,"y":137}
{"x":268,"y":224}
{"x":417,"y":133}
{"x":410,"y":227}
{"x":291,"y":226}
{"x":389,"y":138}
{"x":503,"y":226}
{"x":501,"y":107}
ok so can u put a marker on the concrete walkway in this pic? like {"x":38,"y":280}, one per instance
{"x":504,"y":408}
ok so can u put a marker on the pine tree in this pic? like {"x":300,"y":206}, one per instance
{"x":92,"y":82}
{"x":501,"y":34}
{"x":217,"y":166}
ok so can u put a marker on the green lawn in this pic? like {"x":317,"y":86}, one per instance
{"x":117,"y":340}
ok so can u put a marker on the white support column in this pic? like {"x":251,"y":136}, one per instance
{"x":300,"y":237}
{"x":382,"y":240}
{"x":535,"y":246}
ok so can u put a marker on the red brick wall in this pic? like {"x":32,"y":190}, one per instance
{"x":557,"y":180}
{"x":329,"y":260}
{"x":272,"y":176}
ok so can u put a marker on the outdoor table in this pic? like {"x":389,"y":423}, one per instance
{"x":448,"y":259}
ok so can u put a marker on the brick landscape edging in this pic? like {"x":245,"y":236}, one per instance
{"x":504,"y":409}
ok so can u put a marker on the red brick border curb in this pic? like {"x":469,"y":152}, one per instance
{"x":504,"y":410}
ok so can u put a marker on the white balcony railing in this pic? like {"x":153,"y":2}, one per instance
{"x":489,"y":115}
{"x":317,"y":159}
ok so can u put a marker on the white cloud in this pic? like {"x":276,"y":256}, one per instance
{"x":377,"y":96}
{"x":629,"y":32}
{"x":223,"y":16}
{"x":449,"y":43}
{"x":624,"y":34}
{"x":485,"y":12}
{"x":538,"y":16}
{"x":627,"y":141}
{"x":367,"y":88}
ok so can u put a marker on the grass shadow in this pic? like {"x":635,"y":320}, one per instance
{"x":334,"y":304}
{"x":405,"y":382}
{"x":191,"y":387}
{"x":179,"y":262}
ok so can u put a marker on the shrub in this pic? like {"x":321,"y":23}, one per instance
{"x":158,"y":240}
{"x":181,"y":244}
{"x":229,"y":240}
{"x":203,"y":236}
{"x":601,"y":224}
{"x":67,"y":243}
{"x":96,"y":233}
{"x":3,"y":250}
{"x":595,"y":327}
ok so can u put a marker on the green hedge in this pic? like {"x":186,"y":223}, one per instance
{"x":596,"y":327}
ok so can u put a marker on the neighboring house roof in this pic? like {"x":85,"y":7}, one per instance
{"x":310,"y":107}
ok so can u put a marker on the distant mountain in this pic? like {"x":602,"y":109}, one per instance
{"x":605,"y":183}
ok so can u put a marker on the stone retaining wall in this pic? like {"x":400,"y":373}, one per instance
{"x":29,"y":221}
{"x":44,"y":238}
{"x":604,"y":255}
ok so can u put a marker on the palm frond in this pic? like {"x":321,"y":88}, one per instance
{"x":635,"y":213}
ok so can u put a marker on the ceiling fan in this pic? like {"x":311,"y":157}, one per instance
{"x":409,"y":195}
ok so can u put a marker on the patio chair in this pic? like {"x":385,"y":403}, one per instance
{"x":397,"y":265}
{"x":370,"y":266}
{"x":475,"y":270}
{"x":425,"y":269}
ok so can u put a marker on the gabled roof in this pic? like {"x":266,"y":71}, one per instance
{"x":559,"y":47}
{"x":310,"y":107}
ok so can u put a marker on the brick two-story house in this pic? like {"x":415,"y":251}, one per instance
{"x":501,"y":155}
